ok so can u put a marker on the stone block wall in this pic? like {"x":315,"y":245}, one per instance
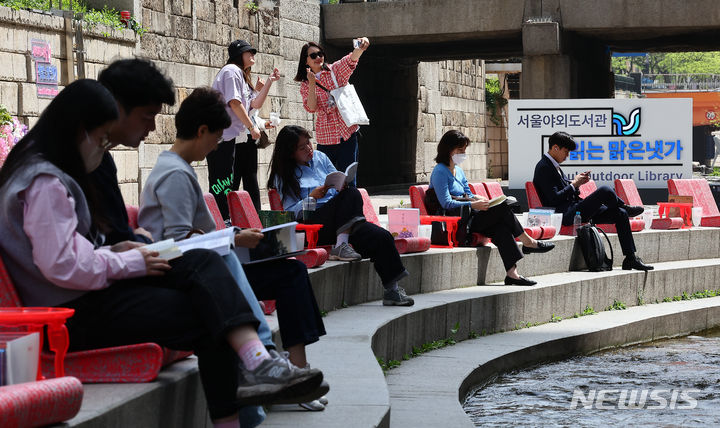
{"x":188,"y":40}
{"x":497,"y":146}
{"x":451,"y":95}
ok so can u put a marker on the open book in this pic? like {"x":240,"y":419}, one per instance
{"x":338,"y":180}
{"x":278,"y":242}
{"x":219,"y":241}
{"x":496,"y":201}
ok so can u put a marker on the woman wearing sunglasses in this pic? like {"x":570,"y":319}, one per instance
{"x":334,"y":138}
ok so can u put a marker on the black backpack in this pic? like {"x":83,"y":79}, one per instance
{"x":592,"y":248}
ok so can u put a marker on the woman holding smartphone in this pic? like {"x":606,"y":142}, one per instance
{"x":236,"y":157}
{"x":334,"y":138}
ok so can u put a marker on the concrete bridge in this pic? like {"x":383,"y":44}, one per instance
{"x":565,"y":44}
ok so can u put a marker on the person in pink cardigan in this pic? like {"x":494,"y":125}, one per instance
{"x":124,"y":294}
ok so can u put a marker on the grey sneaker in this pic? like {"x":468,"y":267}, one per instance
{"x":344,"y":253}
{"x":277,"y":379}
{"x":397,"y":298}
{"x":323,"y":400}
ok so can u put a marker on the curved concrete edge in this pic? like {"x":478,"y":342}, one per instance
{"x":337,"y":284}
{"x":359,"y":394}
{"x":437,"y":382}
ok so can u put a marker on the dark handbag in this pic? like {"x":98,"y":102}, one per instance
{"x":432,"y":204}
{"x":439,"y":234}
{"x":263,"y":141}
{"x":592,"y":248}
{"x":463,"y":235}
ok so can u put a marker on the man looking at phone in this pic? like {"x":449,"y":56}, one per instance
{"x":601,"y":206}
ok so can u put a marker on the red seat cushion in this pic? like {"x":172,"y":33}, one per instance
{"x":699,"y":189}
{"x":627,"y":191}
{"x":40,"y":403}
{"x":275,"y":201}
{"x":214,"y":211}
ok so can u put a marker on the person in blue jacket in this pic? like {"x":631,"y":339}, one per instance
{"x":498,"y":222}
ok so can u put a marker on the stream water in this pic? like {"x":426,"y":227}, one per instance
{"x":674,"y":382}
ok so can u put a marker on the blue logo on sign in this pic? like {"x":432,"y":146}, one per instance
{"x":622,"y":126}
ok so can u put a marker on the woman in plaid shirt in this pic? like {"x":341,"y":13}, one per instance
{"x":334,"y":138}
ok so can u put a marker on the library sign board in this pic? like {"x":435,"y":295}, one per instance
{"x":646,"y":140}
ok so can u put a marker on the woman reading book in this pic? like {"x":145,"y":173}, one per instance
{"x":299,"y":172}
{"x":172,"y":206}
{"x":52,"y":235}
{"x":497,"y":222}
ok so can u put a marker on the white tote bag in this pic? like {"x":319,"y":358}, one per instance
{"x":348,"y":104}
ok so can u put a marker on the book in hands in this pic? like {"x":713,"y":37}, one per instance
{"x":278,"y":242}
{"x":496,"y":201}
{"x":337,"y":180}
{"x":219,"y":241}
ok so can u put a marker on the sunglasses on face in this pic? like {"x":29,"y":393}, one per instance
{"x":314,"y":55}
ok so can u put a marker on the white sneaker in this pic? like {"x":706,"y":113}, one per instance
{"x":313,"y":406}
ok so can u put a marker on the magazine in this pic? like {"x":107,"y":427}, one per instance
{"x":338,"y":180}
{"x":540,"y":217}
{"x":278,"y":242}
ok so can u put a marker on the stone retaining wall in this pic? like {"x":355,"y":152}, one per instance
{"x":188,"y":40}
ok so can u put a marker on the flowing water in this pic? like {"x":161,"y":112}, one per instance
{"x":674,"y":382}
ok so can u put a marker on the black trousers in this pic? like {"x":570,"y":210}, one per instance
{"x":499,"y":224}
{"x":604,"y":206}
{"x":230,"y":164}
{"x":369,"y":240}
{"x":191,"y":307}
{"x":287,"y":281}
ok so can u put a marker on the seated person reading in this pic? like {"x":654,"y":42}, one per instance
{"x":53,"y":234}
{"x":172,"y":206}
{"x":498,"y":222}
{"x":601,"y":206}
{"x":297,"y":172}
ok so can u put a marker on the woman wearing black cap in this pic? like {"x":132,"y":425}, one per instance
{"x":236,"y":157}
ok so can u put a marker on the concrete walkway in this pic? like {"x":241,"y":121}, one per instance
{"x":428,"y":390}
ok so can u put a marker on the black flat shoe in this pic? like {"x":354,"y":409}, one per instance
{"x":519,"y":281}
{"x":542,"y":247}
{"x":633,"y":210}
{"x":635,"y":262}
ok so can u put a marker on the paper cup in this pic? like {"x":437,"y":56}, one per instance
{"x":556,"y":222}
{"x":300,"y":238}
{"x":648,"y":218}
{"x":697,"y":215}
{"x":425,"y":231}
{"x":524,"y":220}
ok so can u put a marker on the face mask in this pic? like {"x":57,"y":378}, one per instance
{"x":459,"y":158}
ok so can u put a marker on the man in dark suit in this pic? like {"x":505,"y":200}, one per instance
{"x":601,"y":206}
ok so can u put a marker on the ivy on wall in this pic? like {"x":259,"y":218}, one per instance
{"x":494,"y":100}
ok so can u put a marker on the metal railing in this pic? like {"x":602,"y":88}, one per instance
{"x":680,"y":82}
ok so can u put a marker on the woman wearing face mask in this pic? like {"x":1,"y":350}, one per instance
{"x":236,"y":157}
{"x":498,"y":223}
{"x":334,"y":138}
